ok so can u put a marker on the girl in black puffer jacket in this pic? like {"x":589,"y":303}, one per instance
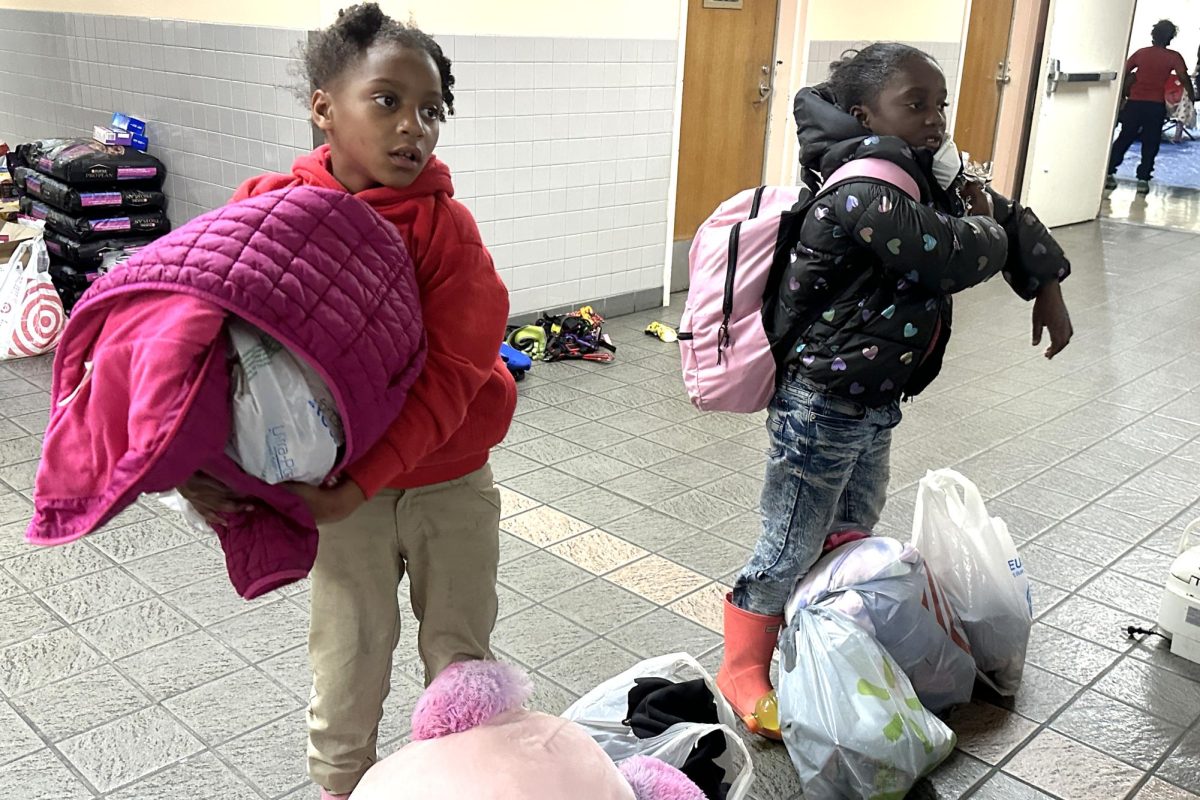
{"x":860,"y":318}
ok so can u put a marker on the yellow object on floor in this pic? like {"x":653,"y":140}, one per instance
{"x":664,"y":332}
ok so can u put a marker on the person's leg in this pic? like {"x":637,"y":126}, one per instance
{"x":1153,"y":117}
{"x":450,"y":535}
{"x":862,"y":502}
{"x":353,"y":629}
{"x":1130,"y":129}
{"x":815,"y":442}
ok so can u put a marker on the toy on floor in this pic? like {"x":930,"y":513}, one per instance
{"x":577,"y":335}
{"x":663,"y":332}
{"x":518,"y":363}
{"x":472,"y":737}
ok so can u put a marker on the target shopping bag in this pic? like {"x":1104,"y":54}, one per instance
{"x":31,"y":313}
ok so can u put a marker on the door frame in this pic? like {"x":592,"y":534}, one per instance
{"x":669,"y":249}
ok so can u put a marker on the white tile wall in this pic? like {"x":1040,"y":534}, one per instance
{"x":561,"y":147}
{"x":219,"y":100}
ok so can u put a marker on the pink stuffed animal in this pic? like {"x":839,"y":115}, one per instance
{"x":473,"y":738}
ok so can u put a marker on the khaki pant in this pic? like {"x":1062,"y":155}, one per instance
{"x":447,"y":538}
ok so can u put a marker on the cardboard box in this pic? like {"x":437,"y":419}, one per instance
{"x":139,"y":143}
{"x":110,"y":136}
{"x":12,"y":234}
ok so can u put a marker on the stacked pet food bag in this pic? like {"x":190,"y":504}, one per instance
{"x":100,"y":199}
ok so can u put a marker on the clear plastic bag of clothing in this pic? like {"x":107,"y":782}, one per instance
{"x":885,"y":587}
{"x":974,"y":558}
{"x":286,"y":426}
{"x":603,"y":710}
{"x":850,"y":719}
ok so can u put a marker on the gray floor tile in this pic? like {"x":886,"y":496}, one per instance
{"x":1083,"y":544}
{"x":647,"y":487}
{"x":699,"y":508}
{"x":1164,"y":694}
{"x":212,"y":600}
{"x":180,"y":664}
{"x":1125,"y":594}
{"x":1002,"y":786}
{"x":641,"y":453}
{"x":139,"y":539}
{"x":662,"y":632}
{"x":1122,"y":731}
{"x":232,"y":705}
{"x":273,"y":756}
{"x":41,"y":775}
{"x":953,"y":779}
{"x":548,"y":450}
{"x":19,"y":739}
{"x":104,"y":756}
{"x":134,"y":628}
{"x":41,"y":660}
{"x":708,"y":555}
{"x":691,"y":471}
{"x":597,"y":506}
{"x":537,"y":636}
{"x":546,"y":485}
{"x":200,"y":777}
{"x":265,"y":631}
{"x":1144,"y":564}
{"x":175,"y":569}
{"x":590,"y":665}
{"x":599,"y":605}
{"x":94,"y":594}
{"x":1041,"y":696}
{"x":650,"y":529}
{"x":1094,"y":621}
{"x":596,"y":468}
{"x":80,"y":703}
{"x":291,"y":670}
{"x":1182,"y":766}
{"x":1055,"y":568}
{"x":22,"y":617}
{"x":40,"y":567}
{"x":1066,"y":655}
{"x":542,"y":575}
{"x":741,"y":490}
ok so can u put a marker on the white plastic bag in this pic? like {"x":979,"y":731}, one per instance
{"x":286,"y":426}
{"x":179,"y":504}
{"x":976,"y":562}
{"x":603,"y":710}
{"x":31,"y":312}
{"x":885,"y":587}
{"x":851,"y":721}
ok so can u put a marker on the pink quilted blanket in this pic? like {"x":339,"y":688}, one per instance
{"x":140,"y":396}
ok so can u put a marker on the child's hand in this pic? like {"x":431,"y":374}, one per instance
{"x":979,"y":202}
{"x":212,"y":499}
{"x":1050,"y":313}
{"x":329,"y":505}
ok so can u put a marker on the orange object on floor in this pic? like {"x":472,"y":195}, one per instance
{"x":745,"y":674}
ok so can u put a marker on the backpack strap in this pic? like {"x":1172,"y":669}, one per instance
{"x":876,"y":169}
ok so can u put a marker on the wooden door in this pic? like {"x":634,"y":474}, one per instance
{"x":984,"y":71}
{"x":723,"y":130}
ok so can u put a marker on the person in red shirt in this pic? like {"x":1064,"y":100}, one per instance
{"x":1145,"y":111}
{"x":423,"y":500}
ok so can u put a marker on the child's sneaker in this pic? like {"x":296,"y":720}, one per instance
{"x":1110,"y":182}
{"x":1143,"y":187}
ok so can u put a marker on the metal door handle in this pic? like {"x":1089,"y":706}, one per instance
{"x":764,"y":92}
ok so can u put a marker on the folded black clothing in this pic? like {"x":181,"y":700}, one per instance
{"x":86,"y":161}
{"x":90,"y":255}
{"x":74,"y":200}
{"x":655,"y":704}
{"x":91,"y":227}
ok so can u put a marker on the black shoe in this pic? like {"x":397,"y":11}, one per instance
{"x":1110,"y":182}
{"x":1143,"y":187}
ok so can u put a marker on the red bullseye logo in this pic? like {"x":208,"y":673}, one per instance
{"x":41,"y":322}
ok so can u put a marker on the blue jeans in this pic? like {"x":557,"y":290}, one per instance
{"x":827,"y":470}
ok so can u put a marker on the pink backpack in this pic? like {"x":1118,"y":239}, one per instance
{"x":727,"y":360}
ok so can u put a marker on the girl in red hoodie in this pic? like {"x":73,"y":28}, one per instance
{"x":423,"y":500}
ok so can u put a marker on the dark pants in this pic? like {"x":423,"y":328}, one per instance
{"x":1144,"y":119}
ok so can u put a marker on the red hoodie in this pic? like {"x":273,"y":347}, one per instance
{"x":462,"y":404}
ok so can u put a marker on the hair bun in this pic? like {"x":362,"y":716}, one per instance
{"x":361,"y":22}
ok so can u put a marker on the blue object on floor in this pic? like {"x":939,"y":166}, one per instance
{"x":1176,"y":165}
{"x":518,"y":363}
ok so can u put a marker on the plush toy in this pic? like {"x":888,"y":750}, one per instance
{"x":473,"y":738}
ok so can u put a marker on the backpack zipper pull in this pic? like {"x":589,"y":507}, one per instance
{"x":722,"y":340}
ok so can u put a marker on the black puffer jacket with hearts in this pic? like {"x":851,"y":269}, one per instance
{"x":863,"y":310}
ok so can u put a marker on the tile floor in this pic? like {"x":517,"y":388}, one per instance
{"x":129,"y":669}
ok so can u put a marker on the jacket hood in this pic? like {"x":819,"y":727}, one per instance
{"x":313,"y":169}
{"x":829,"y":137}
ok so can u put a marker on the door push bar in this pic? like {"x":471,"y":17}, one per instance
{"x":1057,"y":76}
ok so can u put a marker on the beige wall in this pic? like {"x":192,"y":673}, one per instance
{"x":1014,"y":108}
{"x":625,"y":19}
{"x":896,"y":20}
